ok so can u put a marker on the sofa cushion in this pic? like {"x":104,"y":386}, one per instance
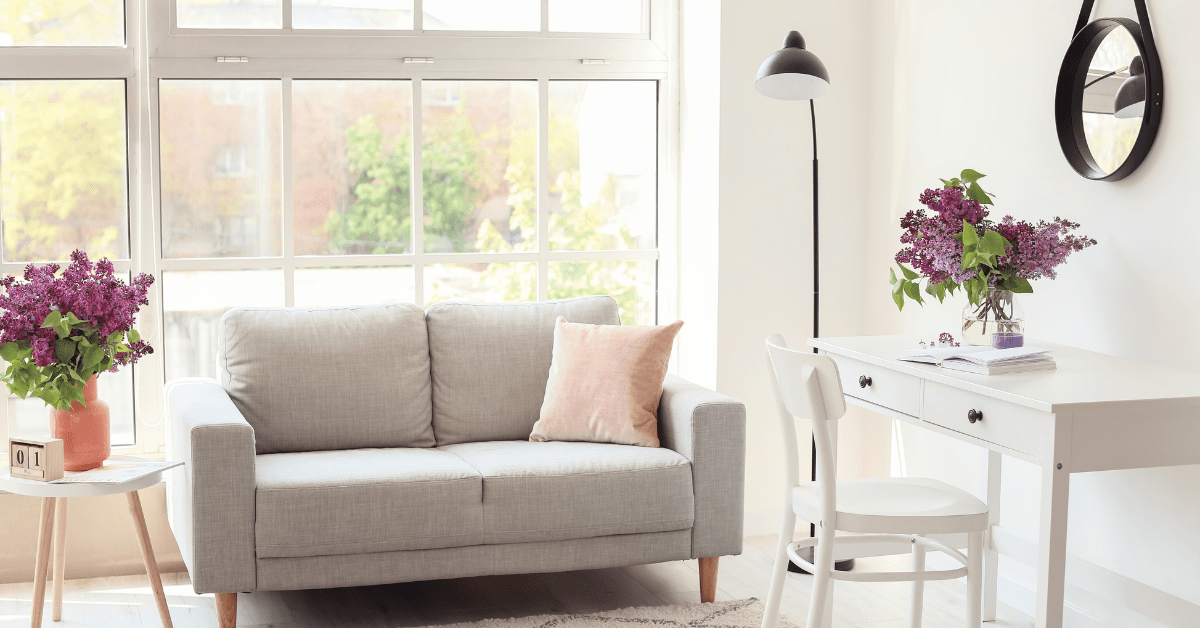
{"x":490,"y":362}
{"x":329,"y":378}
{"x":564,"y":490}
{"x":365,"y":500}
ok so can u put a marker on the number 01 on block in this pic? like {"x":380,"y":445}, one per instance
{"x":35,"y":458}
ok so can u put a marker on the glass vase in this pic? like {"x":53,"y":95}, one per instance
{"x":997,"y":321}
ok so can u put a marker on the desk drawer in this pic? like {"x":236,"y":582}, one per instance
{"x":896,"y":391}
{"x":1003,"y":423}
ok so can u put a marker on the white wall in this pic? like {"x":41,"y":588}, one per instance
{"x":973,"y":86}
{"x":921,"y":90}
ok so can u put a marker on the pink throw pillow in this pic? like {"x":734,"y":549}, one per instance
{"x":605,"y":383}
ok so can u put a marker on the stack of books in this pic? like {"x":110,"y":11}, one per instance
{"x":984,"y":360}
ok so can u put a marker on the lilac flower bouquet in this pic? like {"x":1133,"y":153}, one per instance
{"x":951,"y":243}
{"x":57,"y":331}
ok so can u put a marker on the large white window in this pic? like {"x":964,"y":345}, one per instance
{"x":326,"y":152}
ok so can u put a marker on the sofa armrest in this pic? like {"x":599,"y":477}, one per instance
{"x":709,"y":429}
{"x":211,"y":497}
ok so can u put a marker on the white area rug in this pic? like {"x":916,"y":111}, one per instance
{"x":732,"y":614}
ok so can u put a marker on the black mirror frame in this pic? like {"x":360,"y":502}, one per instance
{"x":1068,"y":96}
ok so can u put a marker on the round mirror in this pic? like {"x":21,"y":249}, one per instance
{"x":1109,"y":99}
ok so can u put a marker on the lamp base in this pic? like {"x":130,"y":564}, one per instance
{"x":807,"y":554}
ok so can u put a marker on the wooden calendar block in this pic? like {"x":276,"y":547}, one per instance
{"x":35,"y":458}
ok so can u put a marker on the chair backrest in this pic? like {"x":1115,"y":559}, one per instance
{"x":806,"y":385}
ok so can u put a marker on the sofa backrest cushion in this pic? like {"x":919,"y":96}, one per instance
{"x":490,"y":362}
{"x":328,"y":378}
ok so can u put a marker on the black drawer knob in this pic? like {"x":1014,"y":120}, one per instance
{"x":863,"y":381}
{"x":974,"y":415}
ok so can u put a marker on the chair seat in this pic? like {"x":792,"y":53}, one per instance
{"x":896,"y":506}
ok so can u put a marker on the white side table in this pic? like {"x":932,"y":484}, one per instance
{"x":54,"y":502}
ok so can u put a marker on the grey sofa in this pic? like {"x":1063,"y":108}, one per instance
{"x":367,"y":445}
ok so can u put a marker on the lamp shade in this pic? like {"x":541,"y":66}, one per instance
{"x":1131,"y":96}
{"x":792,"y":73}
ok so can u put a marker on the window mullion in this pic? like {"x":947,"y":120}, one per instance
{"x":545,"y":16}
{"x":543,"y":186}
{"x":289,"y":225}
{"x":287,"y":15}
{"x":417,"y":196}
{"x":418,"y":16}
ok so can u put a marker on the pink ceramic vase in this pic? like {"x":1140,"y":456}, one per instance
{"x":83,"y":430}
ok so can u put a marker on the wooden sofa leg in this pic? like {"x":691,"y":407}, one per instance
{"x":708,"y":579}
{"x":227,"y":610}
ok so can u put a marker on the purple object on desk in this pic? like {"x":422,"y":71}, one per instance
{"x":1007,"y":340}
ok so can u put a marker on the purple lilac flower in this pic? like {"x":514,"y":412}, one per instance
{"x":92,"y":292}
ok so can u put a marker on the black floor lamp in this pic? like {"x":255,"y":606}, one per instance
{"x":794,"y":73}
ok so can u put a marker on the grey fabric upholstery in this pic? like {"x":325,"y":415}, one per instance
{"x":211,"y":498}
{"x":709,"y":429}
{"x":353,"y":570}
{"x":563,"y":490}
{"x":365,"y":500}
{"x":490,"y":363}
{"x":329,"y":378}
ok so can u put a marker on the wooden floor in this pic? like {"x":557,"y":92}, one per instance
{"x":126,"y":602}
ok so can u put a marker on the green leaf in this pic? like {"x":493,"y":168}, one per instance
{"x":969,"y":260}
{"x":10,"y":351}
{"x":92,"y":357}
{"x":913,"y":291}
{"x":892,"y":273}
{"x":976,"y":193}
{"x":993,"y":243}
{"x":134,"y":336}
{"x":971,"y":176}
{"x":1018,"y":284}
{"x":64,"y":350}
{"x":908,"y":273}
{"x":115,"y":337}
{"x":72,"y":319}
{"x":52,"y":320}
{"x":898,"y":297}
{"x":969,"y":236}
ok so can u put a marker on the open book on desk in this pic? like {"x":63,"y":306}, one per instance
{"x":984,"y":360}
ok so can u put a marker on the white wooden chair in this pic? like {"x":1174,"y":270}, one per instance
{"x":886,"y":509}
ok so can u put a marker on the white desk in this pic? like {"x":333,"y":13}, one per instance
{"x":1095,"y":413}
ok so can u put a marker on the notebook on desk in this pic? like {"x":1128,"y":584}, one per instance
{"x":984,"y":360}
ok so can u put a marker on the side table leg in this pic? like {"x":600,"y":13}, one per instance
{"x":139,"y":524}
{"x":41,"y":567}
{"x":60,"y":556}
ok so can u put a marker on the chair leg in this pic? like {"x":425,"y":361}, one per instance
{"x":820,"y":608}
{"x":227,"y":610}
{"x":918,"y":586}
{"x":974,"y":579}
{"x":775,"y":593}
{"x":708,"y":578}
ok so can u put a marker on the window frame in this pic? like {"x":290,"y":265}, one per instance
{"x":155,"y":50}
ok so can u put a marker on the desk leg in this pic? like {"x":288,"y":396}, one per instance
{"x":991,"y":559}
{"x":45,"y":532}
{"x":60,"y":556}
{"x":139,"y":524}
{"x":1052,"y":537}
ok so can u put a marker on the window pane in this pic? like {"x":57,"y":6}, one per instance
{"x":351,"y":160}
{"x":221,"y":192}
{"x":369,"y":14}
{"x":62,"y":23}
{"x":193,"y":302}
{"x":320,"y":287}
{"x":603,"y":165}
{"x":630,"y":282}
{"x":596,"y":16}
{"x":229,"y":13}
{"x":509,"y":281}
{"x":480,"y":165}
{"x":482,"y":15}
{"x":62,"y":169}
